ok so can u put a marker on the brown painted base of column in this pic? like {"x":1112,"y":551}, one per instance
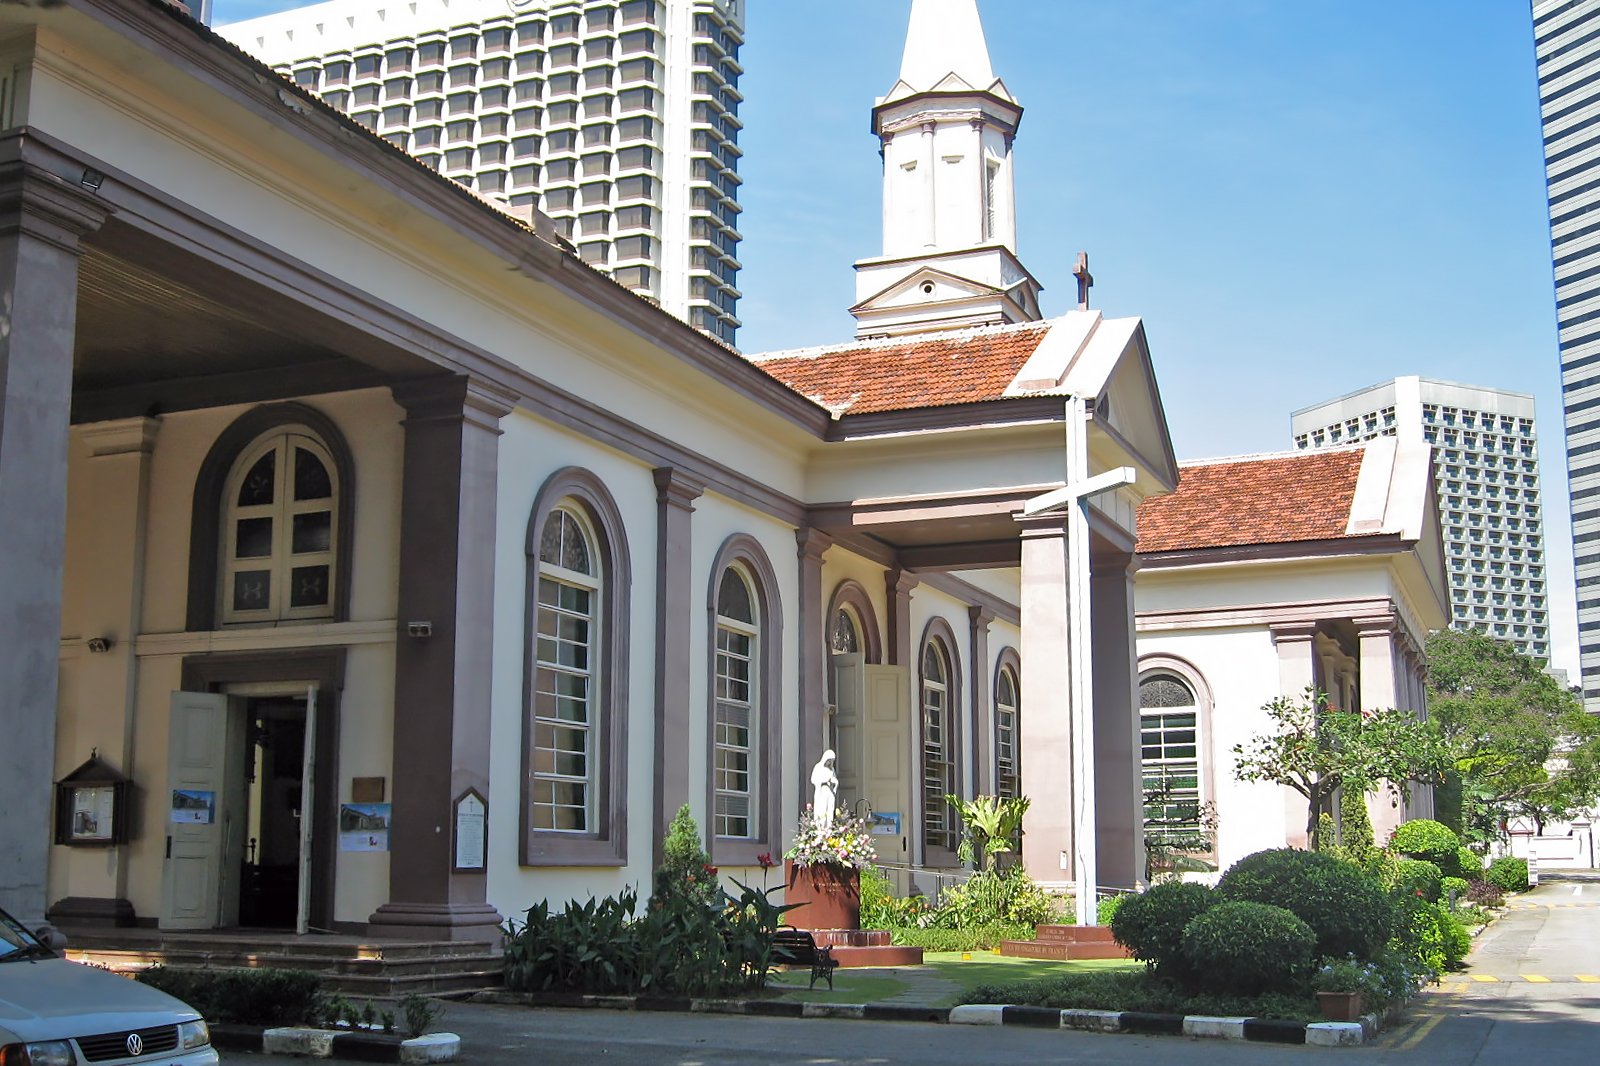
{"x":92,"y":912}
{"x":478,"y":922}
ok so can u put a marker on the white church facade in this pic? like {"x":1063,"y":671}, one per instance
{"x":406,"y":571}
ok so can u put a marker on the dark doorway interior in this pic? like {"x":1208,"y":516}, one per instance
{"x":275,"y":757}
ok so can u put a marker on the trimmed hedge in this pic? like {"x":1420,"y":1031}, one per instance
{"x":1430,"y":841}
{"x":1469,"y":864}
{"x":1250,"y":947}
{"x":1151,"y":924}
{"x":972,"y":938}
{"x":1418,"y":877}
{"x":243,"y":997}
{"x":1508,"y":874}
{"x":1348,"y":911}
{"x":1453,"y":886}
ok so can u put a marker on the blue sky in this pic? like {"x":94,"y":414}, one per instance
{"x":1299,"y":197}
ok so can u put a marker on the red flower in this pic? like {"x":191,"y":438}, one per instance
{"x":1419,"y":894}
{"x":711,"y":871}
{"x":765,"y":859}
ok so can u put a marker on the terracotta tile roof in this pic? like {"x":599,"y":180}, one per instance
{"x":1276,"y":499}
{"x":928,"y":370}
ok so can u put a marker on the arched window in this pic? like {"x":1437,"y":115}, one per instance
{"x":279,"y":531}
{"x":844,"y":637}
{"x":736,"y":764}
{"x":567,"y":741}
{"x":1007,"y":735}
{"x":938,"y":746}
{"x":575,"y":677}
{"x":1169,"y":732}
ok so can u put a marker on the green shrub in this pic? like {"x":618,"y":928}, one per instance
{"x":1453,"y":888}
{"x":1246,"y":948}
{"x":989,"y":897}
{"x":1469,"y":864}
{"x":245,"y":997}
{"x":1138,"y":991}
{"x":1349,"y":912}
{"x":1508,"y":874}
{"x":1431,"y":841}
{"x":1431,"y":936}
{"x":1355,"y":825}
{"x":684,"y":862}
{"x":972,"y":938}
{"x":1484,"y":894}
{"x":1388,"y":980}
{"x":1417,"y":877}
{"x":1106,"y":907}
{"x":1151,"y":924}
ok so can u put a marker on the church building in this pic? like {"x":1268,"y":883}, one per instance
{"x":376,"y":565}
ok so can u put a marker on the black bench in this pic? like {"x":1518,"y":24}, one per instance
{"x":797,"y":947}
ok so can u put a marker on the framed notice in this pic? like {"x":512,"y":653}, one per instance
{"x":192,"y":807}
{"x":91,"y":806}
{"x":885,"y":824}
{"x":472,"y":832}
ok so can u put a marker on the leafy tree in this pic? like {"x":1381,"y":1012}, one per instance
{"x":1314,"y":749}
{"x":1521,"y":744}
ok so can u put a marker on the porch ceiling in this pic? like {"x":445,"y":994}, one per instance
{"x":160,"y":329}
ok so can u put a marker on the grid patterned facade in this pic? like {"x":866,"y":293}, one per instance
{"x":1486,"y":474}
{"x":1567,"y":43}
{"x":617,"y":118}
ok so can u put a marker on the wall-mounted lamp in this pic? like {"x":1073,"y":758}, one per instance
{"x":91,"y":179}
{"x":97,"y":645}
{"x":419,"y":629}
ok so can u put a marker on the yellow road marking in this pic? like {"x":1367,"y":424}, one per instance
{"x":1587,"y":978}
{"x":1533,"y":978}
{"x":1486,"y":978}
{"x":1421,"y":1031}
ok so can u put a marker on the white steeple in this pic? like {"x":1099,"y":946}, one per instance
{"x":946,"y":37}
{"x":949,"y":207}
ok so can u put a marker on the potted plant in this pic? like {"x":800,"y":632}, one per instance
{"x":822,"y":875}
{"x":1339,"y":986}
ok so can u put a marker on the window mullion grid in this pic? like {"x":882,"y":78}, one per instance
{"x":550,"y":672}
{"x":734,"y":763}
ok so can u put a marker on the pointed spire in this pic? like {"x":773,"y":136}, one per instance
{"x":945,"y":37}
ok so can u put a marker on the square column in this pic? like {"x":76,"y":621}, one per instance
{"x":981,"y":727}
{"x":675,"y":496}
{"x":1297,"y":671}
{"x":442,"y":695}
{"x":42,"y":219}
{"x":1046,"y":719}
{"x":1118,"y":776}
{"x":810,"y":544}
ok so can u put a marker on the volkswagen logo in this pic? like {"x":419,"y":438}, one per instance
{"x":135,"y":1044}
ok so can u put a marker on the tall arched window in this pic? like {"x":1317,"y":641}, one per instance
{"x":279,"y":531}
{"x":736,"y":764}
{"x":1007,"y":735}
{"x":567,"y":740}
{"x":938,"y":746}
{"x":844,"y":637}
{"x":575,"y":677}
{"x":1169,"y":732}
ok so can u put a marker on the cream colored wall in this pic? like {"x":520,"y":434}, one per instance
{"x":1240,"y":667}
{"x":93,"y":700}
{"x":1291,"y":582}
{"x":840,"y":565}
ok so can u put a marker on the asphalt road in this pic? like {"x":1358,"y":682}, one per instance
{"x":1498,"y":1012}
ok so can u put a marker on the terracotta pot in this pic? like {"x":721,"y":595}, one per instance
{"x":830,"y":896}
{"x":1340,"y":1006}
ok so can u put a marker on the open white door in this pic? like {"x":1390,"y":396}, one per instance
{"x":885,"y":769}
{"x":203,"y":812}
{"x":849,"y":692}
{"x":308,"y":821}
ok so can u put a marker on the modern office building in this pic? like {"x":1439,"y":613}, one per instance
{"x":1486,"y":474}
{"x":1566,"y":37}
{"x":617,"y":118}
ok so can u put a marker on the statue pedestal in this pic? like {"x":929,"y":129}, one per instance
{"x":829,"y":896}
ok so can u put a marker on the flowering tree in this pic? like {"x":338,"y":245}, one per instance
{"x":1315,"y":749}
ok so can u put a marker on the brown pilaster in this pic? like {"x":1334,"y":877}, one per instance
{"x":441,"y":702}
{"x":898,"y":584}
{"x":1297,"y":671}
{"x":675,"y":496}
{"x":42,"y":219}
{"x":981,"y":727}
{"x":811,"y":544}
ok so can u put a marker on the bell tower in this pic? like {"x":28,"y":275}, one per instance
{"x":949,"y":206}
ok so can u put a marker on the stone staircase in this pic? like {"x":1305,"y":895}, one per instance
{"x":353,"y":966}
{"x":1064,"y":942}
{"x":866,"y":947}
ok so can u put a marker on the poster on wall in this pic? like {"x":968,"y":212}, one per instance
{"x":364,"y":827}
{"x":471,"y":839}
{"x":92,"y":814}
{"x":193,"y":807}
{"x":885,"y":824}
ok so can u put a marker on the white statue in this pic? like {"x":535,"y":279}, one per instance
{"x":825,"y":791}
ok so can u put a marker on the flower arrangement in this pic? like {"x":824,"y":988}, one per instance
{"x":845,"y":843}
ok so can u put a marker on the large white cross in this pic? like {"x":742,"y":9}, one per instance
{"x":1072,"y":500}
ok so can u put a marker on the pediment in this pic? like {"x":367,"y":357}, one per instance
{"x":1130,"y":404}
{"x":926,"y":285}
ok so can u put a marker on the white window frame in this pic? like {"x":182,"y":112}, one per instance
{"x":282,"y":561}
{"x":594,"y":751}
{"x":750,"y":631}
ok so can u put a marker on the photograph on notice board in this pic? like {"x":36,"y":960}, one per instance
{"x":193,"y":807}
{"x":364,"y":826}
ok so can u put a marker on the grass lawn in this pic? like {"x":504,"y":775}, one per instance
{"x":849,"y":986}
{"x":872,"y":985}
{"x":987,"y":968}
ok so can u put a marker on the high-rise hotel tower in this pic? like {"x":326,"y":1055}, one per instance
{"x":1566,"y":36}
{"x":617,"y":118}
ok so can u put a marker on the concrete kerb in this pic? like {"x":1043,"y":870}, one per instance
{"x":1261,"y":1030}
{"x":361,"y":1047}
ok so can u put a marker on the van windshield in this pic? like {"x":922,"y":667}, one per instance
{"x":16,"y":942}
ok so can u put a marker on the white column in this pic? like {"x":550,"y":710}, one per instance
{"x":1296,"y":672}
{"x":1046,"y":728}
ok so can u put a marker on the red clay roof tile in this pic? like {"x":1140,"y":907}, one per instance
{"x":929,"y":370}
{"x":1269,"y":500}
